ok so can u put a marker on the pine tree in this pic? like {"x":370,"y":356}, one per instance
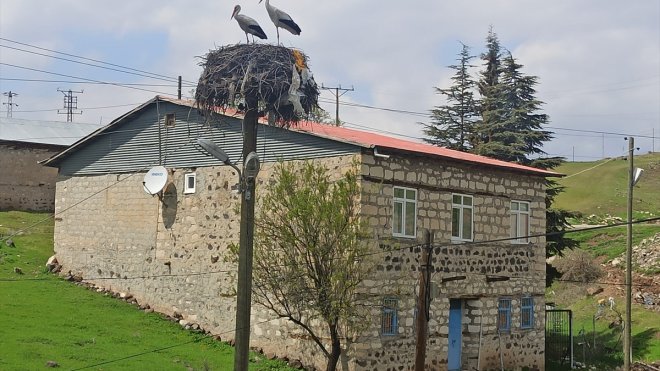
{"x":452,"y":124}
{"x":490,"y":127}
{"x":508,"y":126}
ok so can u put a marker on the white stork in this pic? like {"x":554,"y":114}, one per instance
{"x":248,"y":25}
{"x":281,"y":19}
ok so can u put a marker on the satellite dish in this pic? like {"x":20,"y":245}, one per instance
{"x":155,"y":180}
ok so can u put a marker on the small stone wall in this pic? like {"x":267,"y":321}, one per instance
{"x":25,"y":184}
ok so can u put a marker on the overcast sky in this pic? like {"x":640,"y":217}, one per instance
{"x":598,"y":61}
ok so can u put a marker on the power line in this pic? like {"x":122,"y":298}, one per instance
{"x":85,"y":79}
{"x":173,"y":79}
{"x":91,"y":82}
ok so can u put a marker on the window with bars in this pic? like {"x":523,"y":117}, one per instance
{"x":405,"y":212}
{"x":520,"y":221}
{"x":504,"y":315}
{"x":527,"y":312}
{"x":461,"y":217}
{"x":390,"y":320}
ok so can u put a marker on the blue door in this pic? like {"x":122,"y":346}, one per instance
{"x":455,"y":330}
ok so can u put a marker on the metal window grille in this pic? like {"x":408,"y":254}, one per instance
{"x":389,"y":324}
{"x":527,"y":312}
{"x":504,"y":315}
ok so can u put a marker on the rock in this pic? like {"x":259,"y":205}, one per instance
{"x":9,"y":242}
{"x":616,"y":262}
{"x":52,"y":260}
{"x":183,"y":322}
{"x":18,"y":270}
{"x":214,"y":258}
{"x":52,"y":364}
{"x":149,"y":310}
{"x":591,"y":291}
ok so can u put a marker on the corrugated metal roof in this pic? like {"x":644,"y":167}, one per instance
{"x":371,"y":140}
{"x":43,"y":132}
{"x":356,"y":137}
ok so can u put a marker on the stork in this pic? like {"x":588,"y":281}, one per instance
{"x":248,"y":25}
{"x":281,"y":19}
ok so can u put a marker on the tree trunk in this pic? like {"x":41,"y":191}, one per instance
{"x":333,"y":358}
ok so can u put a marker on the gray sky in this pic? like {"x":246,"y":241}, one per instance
{"x":598,"y":61}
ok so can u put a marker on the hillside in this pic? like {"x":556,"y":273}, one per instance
{"x":600,"y":187}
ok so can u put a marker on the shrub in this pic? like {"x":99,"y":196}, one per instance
{"x":578,"y":265}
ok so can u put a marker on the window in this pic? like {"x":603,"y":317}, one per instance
{"x":390,"y":321}
{"x":527,"y":312}
{"x":170,"y":120}
{"x":520,"y":221}
{"x":190,"y":183}
{"x":461,"y":218}
{"x":405,"y":212}
{"x":504,"y":315}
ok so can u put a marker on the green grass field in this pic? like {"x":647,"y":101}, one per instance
{"x":600,"y":187}
{"x":45,"y":318}
{"x":611,"y":242}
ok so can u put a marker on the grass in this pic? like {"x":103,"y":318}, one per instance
{"x":47,"y":319}
{"x":603,"y":189}
{"x":608,"y":353}
{"x":611,"y":242}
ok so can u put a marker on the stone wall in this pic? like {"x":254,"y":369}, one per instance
{"x":25,"y":184}
{"x":169,"y":253}
{"x":477,"y":274}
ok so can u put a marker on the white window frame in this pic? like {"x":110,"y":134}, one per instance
{"x":517,"y":236}
{"x":405,"y":204}
{"x":186,"y":183}
{"x":462,"y":209}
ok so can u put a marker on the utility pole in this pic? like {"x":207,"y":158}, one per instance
{"x":423,"y":302}
{"x":179,"y":88}
{"x":70,"y":104}
{"x":335,"y":92}
{"x":627,"y":328}
{"x":246,"y":240}
{"x":10,"y":105}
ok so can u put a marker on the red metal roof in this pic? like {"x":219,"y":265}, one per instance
{"x":370,"y":140}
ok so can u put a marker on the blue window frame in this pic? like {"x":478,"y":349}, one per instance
{"x":390,"y":320}
{"x":504,"y":315}
{"x":527,"y":312}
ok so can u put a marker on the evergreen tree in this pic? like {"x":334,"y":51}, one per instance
{"x":491,"y":100}
{"x":452,"y":124}
{"x":509,"y":127}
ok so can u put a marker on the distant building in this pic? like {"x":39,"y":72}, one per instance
{"x":488,"y":278}
{"x":24,"y":183}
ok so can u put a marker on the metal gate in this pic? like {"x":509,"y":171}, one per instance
{"x":559,"y":336}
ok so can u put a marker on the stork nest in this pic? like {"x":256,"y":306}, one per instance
{"x":265,"y":72}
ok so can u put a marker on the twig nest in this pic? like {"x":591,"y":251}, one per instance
{"x":277,"y":76}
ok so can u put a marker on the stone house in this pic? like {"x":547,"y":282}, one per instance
{"x":24,"y":183}
{"x":488,"y":219}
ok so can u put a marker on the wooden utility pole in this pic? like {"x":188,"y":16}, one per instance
{"x":627,"y":329}
{"x":337,"y":95}
{"x":423,"y":301}
{"x":244,"y":289}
